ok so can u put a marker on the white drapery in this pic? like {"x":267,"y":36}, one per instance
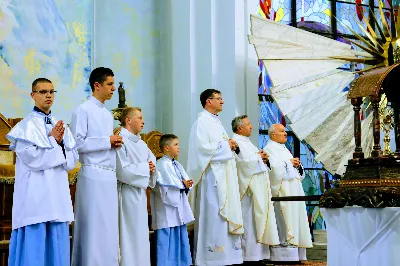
{"x":363,"y":236}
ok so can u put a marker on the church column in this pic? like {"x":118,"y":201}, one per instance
{"x":376,"y":127}
{"x":356,"y":102}
{"x":204,"y":45}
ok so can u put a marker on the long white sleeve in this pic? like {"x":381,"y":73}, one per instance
{"x":79,"y":129}
{"x":223,"y":153}
{"x":134,"y":174}
{"x":39,"y":159}
{"x":169,"y":195}
{"x":72,"y":159}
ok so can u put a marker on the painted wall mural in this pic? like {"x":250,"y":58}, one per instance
{"x":46,"y":38}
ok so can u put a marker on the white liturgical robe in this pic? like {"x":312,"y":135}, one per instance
{"x":134,"y":177}
{"x":258,"y":211}
{"x":216,"y":203}
{"x":41,"y":189}
{"x":169,"y":203}
{"x":291,"y":216}
{"x":95,"y":239}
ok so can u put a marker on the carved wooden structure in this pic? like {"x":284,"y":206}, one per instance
{"x":371,"y":182}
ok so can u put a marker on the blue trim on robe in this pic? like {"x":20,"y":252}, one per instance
{"x":172,"y":246}
{"x":43,"y":244}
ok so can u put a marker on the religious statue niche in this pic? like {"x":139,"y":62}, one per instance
{"x":372,"y":181}
{"x":121,"y":102}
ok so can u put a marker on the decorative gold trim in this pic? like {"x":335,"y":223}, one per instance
{"x":72,"y":178}
{"x":390,"y":182}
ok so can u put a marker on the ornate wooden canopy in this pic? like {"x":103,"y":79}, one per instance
{"x":376,"y":81}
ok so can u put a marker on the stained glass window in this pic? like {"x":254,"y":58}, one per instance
{"x":314,"y":11}
{"x":349,"y":16}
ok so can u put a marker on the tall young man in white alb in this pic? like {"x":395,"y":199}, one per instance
{"x":259,"y":221}
{"x":135,"y":172}
{"x":291,"y":216}
{"x":42,"y":207}
{"x":216,"y":204}
{"x":95,"y":239}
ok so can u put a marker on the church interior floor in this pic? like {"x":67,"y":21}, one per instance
{"x":317,"y":255}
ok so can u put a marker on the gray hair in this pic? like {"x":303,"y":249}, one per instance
{"x":271,"y":130}
{"x":237,"y":122}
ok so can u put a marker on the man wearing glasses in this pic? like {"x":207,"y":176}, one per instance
{"x":42,"y":207}
{"x":215,"y":199}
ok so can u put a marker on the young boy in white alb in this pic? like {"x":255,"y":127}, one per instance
{"x":170,"y":206}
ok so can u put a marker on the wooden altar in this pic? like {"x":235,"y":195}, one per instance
{"x":371,"y":181}
{"x":7,"y":174}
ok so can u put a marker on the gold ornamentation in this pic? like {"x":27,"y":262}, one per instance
{"x":387,"y":124}
{"x":117,"y":112}
{"x":369,"y":182}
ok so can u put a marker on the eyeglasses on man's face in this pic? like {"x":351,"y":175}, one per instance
{"x":218,"y":98}
{"x":45,"y":92}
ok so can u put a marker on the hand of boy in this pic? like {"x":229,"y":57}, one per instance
{"x":116,"y":141}
{"x":188,"y":183}
{"x":152,"y":167}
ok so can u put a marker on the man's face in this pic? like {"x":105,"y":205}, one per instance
{"x":136,"y":122}
{"x":246,"y":128}
{"x":106,"y":89}
{"x":43,"y":95}
{"x":215,"y":102}
{"x":279,"y":134}
{"x":173,"y":149}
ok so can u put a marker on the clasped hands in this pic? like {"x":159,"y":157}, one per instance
{"x":188,"y":183}
{"x":264,"y":156}
{"x":57,"y":132}
{"x":295,"y":162}
{"x":233,"y":144}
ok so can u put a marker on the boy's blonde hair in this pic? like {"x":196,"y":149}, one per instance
{"x":128,"y":111}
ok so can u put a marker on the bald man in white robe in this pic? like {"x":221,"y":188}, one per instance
{"x":291,"y":216}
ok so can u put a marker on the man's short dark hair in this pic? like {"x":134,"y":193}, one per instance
{"x":208,"y":93}
{"x":39,"y":80}
{"x":166,"y":140}
{"x":99,"y":75}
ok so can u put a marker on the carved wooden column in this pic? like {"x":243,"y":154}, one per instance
{"x":396,"y":116}
{"x":358,"y":153}
{"x":376,"y":152}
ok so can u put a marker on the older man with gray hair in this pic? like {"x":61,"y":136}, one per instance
{"x":258,"y":211}
{"x":285,"y":176}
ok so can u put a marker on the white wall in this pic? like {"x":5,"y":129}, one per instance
{"x":125,"y":40}
{"x":167,"y":52}
{"x":203,"y":44}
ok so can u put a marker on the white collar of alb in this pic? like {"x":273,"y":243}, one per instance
{"x":126,"y":133}
{"x":97,"y":102}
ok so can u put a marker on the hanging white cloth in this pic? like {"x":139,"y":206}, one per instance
{"x":356,"y":235}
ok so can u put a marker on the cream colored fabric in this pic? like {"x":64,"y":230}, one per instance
{"x":293,"y":212}
{"x":254,"y":180}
